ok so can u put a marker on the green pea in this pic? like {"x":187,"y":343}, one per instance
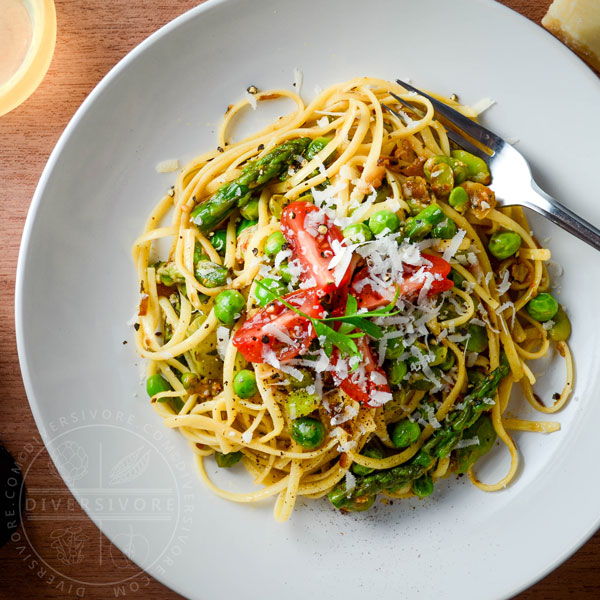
{"x":244,"y":384}
{"x":371,"y":452}
{"x":457,"y":278}
{"x":263,"y":297}
{"x":405,"y":433}
{"x":439,"y":355}
{"x":284,"y":271}
{"x":444,"y":230}
{"x":478,"y":338}
{"x":300,"y":403}
{"x":423,"y":486}
{"x":155,"y":384}
{"x":219,"y":241}
{"x":275,"y":243}
{"x":384,"y":220}
{"x":460,"y":170}
{"x":475,"y":377}
{"x":357,"y":233}
{"x":210,"y":274}
{"x":478,"y":169}
{"x":250,"y":210}
{"x":228,"y":307}
{"x":307,"y":432}
{"x":244,"y":224}
{"x":504,"y":244}
{"x":442,"y":179}
{"x":417,"y":227}
{"x":168,"y":274}
{"x":459,"y":199}
{"x":189,"y":380}
{"x":543,"y":307}
{"x":397,"y":372}
{"x":561,"y":330}
{"x":226,"y":461}
{"x":395,"y":348}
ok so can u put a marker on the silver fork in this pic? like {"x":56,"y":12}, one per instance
{"x":511,"y":176}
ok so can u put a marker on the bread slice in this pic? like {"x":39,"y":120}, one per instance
{"x":577,"y":24}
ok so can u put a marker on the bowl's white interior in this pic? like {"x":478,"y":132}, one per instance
{"x":77,"y":288}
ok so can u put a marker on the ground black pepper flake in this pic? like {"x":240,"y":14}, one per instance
{"x":255,"y":251}
{"x":219,"y":149}
{"x":124,"y":342}
{"x":265,"y":339}
{"x":136,"y":326}
{"x":261,"y":147}
{"x":555,"y":396}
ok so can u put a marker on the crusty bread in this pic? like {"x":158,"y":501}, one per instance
{"x":577,"y":24}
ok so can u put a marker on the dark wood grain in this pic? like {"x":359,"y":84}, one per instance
{"x":93,"y":36}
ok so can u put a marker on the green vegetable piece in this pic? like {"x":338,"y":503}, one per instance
{"x":543,"y":307}
{"x":423,"y":486}
{"x":444,"y":230}
{"x":417,"y":227}
{"x":459,"y":199}
{"x":360,"y":504}
{"x":482,"y":430}
{"x":255,"y":175}
{"x":168,"y":274}
{"x":307,"y":432}
{"x":210,"y":274}
{"x":357,"y":233}
{"x":299,"y":403}
{"x":504,"y":244}
{"x":199,"y":253}
{"x":448,"y":362}
{"x":442,"y":179}
{"x":250,"y":210}
{"x":561,"y":330}
{"x":370,"y":452}
{"x":228,"y":307}
{"x":405,"y":433}
{"x":284,"y":271}
{"x":274,"y":286}
{"x":244,"y":384}
{"x":478,"y":169}
{"x":384,"y":221}
{"x":277,"y":202}
{"x":478,"y":340}
{"x":316,"y":146}
{"x":394,"y":348}
{"x":244,"y":224}
{"x":189,"y":380}
{"x":446,"y":437}
{"x":155,"y":384}
{"x":275,"y":243}
{"x":226,"y":461}
{"x":305,"y":380}
{"x":219,"y":241}
{"x":397,"y":372}
{"x":475,"y":376}
{"x":460,"y":170}
{"x":457,"y":278}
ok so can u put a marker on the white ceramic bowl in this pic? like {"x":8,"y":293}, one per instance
{"x":76,"y":290}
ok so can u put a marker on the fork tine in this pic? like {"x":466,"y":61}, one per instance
{"x":476,"y":131}
{"x":458,"y":139}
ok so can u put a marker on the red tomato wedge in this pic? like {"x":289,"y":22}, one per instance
{"x":267,"y":330}
{"x":310,"y":234}
{"x":370,"y":299}
{"x":365,"y":383}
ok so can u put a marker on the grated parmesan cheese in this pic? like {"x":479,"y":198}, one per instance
{"x":167,"y":166}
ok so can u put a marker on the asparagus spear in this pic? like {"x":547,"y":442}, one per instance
{"x":439,"y":445}
{"x":208,"y":273}
{"x":208,"y":214}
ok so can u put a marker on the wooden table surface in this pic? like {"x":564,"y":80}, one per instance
{"x":93,"y":36}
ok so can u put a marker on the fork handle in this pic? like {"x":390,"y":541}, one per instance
{"x":559,"y":214}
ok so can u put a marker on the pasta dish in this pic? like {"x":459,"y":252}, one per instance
{"x":337,"y":303}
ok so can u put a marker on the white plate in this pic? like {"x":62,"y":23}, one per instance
{"x":76,"y":291}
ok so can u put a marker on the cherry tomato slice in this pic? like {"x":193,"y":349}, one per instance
{"x":256,"y":341}
{"x":368,"y":298}
{"x":368,"y":383}
{"x":310,"y":234}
